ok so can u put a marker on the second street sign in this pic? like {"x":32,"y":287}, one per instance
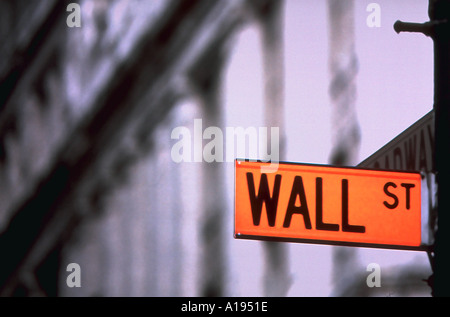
{"x":412,"y":150}
{"x":329,"y":205}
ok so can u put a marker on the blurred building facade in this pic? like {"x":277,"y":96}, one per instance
{"x":86,"y":174}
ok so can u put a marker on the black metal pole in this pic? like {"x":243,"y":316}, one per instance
{"x":438,"y":28}
{"x":440,"y":11}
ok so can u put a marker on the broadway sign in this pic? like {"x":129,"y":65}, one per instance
{"x":412,"y":150}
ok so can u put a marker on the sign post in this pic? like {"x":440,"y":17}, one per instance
{"x":328,"y":205}
{"x":438,"y":28}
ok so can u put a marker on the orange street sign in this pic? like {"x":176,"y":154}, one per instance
{"x":328,"y":205}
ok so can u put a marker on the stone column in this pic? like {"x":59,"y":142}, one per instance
{"x":343,"y":66}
